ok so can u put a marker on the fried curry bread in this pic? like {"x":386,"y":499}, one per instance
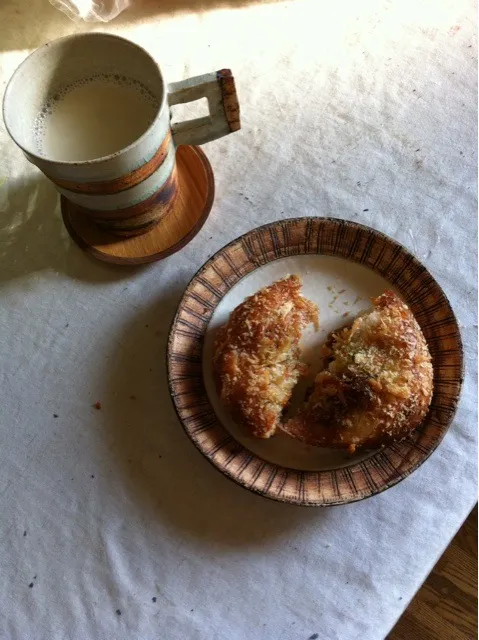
{"x":377,"y":385}
{"x":256,"y":354}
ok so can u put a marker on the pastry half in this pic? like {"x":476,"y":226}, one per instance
{"x":256,"y":354}
{"x":377,"y":385}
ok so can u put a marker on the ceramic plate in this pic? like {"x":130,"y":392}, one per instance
{"x":342,"y":265}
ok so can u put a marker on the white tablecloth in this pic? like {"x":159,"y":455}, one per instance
{"x":112,"y":524}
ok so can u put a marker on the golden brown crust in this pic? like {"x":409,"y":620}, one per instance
{"x":256,"y":354}
{"x":378,"y":384}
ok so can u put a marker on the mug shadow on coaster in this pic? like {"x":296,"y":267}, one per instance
{"x":92,"y":111}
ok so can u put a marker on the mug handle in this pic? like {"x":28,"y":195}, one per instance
{"x":219,"y":89}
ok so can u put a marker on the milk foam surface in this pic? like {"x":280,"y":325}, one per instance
{"x":94,"y":117}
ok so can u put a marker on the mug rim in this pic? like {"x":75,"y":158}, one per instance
{"x":110,"y":156}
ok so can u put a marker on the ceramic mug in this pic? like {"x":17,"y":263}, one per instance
{"x":92,"y":111}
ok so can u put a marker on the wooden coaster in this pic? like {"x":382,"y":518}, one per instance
{"x":196,"y":190}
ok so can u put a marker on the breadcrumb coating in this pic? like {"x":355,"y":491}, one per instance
{"x":378,"y":383}
{"x":256,"y":354}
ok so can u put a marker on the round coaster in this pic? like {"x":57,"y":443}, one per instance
{"x":192,"y":205}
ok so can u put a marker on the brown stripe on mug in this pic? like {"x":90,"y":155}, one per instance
{"x":122,"y":183}
{"x":135,"y":228}
{"x":138,"y":218}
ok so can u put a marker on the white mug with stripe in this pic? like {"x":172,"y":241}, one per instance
{"x":92,"y":111}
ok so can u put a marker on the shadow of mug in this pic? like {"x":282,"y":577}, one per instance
{"x":33,"y":236}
